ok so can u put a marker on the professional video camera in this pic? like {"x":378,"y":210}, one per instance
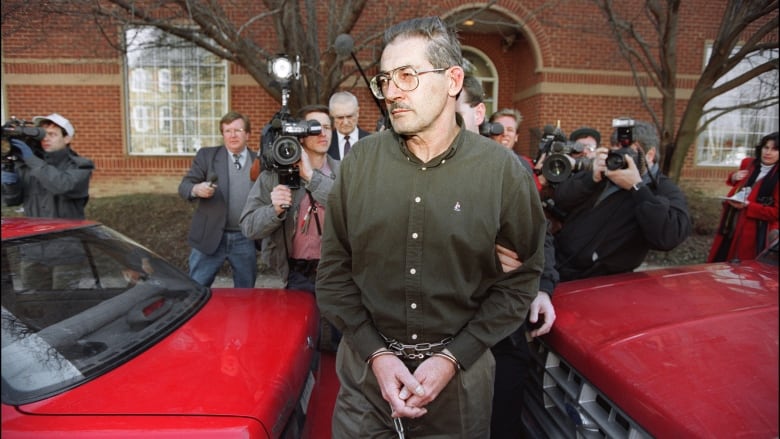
{"x":558,"y":163}
{"x":280,"y":146}
{"x":625,"y":136}
{"x":26,"y":132}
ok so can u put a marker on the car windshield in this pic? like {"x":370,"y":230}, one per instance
{"x":76,"y":304}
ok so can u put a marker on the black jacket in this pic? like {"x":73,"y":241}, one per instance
{"x":615,"y":234}
{"x":333,"y":151}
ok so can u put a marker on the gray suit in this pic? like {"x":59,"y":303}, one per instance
{"x":210,"y":217}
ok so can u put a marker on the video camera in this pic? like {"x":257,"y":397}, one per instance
{"x":558,"y":163}
{"x":26,"y":132}
{"x":625,"y":137}
{"x":280,"y":145}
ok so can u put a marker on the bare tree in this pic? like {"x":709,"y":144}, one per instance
{"x":247,"y":37}
{"x":748,"y":28}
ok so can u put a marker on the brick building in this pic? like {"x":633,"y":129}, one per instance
{"x":550,"y":61}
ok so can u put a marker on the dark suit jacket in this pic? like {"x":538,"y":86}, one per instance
{"x":333,"y":151}
{"x":210,"y":217}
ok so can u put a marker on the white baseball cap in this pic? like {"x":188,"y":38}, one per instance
{"x":57,"y":120}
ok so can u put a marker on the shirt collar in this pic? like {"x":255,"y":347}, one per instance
{"x":441,"y":158}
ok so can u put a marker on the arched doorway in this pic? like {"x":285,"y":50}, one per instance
{"x":506,"y":58}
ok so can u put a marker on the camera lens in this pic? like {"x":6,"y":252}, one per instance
{"x":556,"y":168}
{"x":286,"y":150}
{"x":616,"y":161}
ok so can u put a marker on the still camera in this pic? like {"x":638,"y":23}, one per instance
{"x":625,"y":137}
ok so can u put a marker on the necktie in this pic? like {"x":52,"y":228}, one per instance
{"x":346,"y":146}
{"x":237,"y":161}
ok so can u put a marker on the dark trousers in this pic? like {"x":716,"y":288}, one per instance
{"x":512,"y":364}
{"x":303,"y":276}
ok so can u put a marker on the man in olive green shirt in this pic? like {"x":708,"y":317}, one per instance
{"x":408,"y":270}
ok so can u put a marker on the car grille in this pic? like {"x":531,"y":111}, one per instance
{"x":562,"y":403}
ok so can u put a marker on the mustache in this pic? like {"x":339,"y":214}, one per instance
{"x":399,"y":106}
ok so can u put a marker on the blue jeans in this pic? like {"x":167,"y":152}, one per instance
{"x":240,"y":253}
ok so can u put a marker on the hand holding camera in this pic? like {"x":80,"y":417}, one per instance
{"x":625,"y":178}
{"x":14,"y":147}
{"x":281,"y":198}
{"x":23,"y":148}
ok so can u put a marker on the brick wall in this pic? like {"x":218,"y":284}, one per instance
{"x":563,"y":66}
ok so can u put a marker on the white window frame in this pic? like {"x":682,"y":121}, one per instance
{"x":176,"y":93}
{"x":485,"y":77}
{"x":729,"y":138}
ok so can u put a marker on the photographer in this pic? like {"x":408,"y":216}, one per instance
{"x":617,"y":214}
{"x":290,"y":221}
{"x":52,"y":182}
{"x":589,"y":138}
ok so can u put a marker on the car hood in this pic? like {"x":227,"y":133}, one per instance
{"x":700,"y":363}
{"x":247,"y":353}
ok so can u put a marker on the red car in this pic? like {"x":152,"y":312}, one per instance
{"x":685,"y":352}
{"x":101,"y":338}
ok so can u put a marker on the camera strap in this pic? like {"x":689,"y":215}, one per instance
{"x":312,"y":210}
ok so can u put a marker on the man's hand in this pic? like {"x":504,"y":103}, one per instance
{"x":541,"y":305}
{"x":23,"y":148}
{"x":625,"y":178}
{"x":600,"y":163}
{"x":204,"y":189}
{"x":9,"y":177}
{"x":394,"y":381}
{"x":281,"y":196}
{"x":305,"y":168}
{"x":509,"y":259}
{"x":433,"y":374}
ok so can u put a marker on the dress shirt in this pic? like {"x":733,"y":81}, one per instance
{"x":409,"y":247}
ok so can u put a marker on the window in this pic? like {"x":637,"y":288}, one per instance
{"x":164,"y":80}
{"x":731,"y":137}
{"x":165,"y":119}
{"x":177,"y":92}
{"x":141,"y":118}
{"x":482,"y":68}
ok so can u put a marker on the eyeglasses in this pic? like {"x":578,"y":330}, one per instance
{"x":406,"y":78}
{"x":345,"y":117}
{"x":230,"y":132}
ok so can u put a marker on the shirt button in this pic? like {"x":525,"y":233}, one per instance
{"x":415,"y":235}
{"x":414,"y":336}
{"x":413,"y":306}
{"x":417,"y":199}
{"x":413,"y":271}
{"x":423,"y":168}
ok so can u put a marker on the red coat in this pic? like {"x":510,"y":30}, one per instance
{"x":743,"y":243}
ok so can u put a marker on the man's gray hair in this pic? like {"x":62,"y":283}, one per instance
{"x":646,"y":135}
{"x":343,"y":97}
{"x":443,"y":46}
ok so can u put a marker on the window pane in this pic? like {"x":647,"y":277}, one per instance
{"x":176,"y":94}
{"x":482,"y":68}
{"x":732,"y":137}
